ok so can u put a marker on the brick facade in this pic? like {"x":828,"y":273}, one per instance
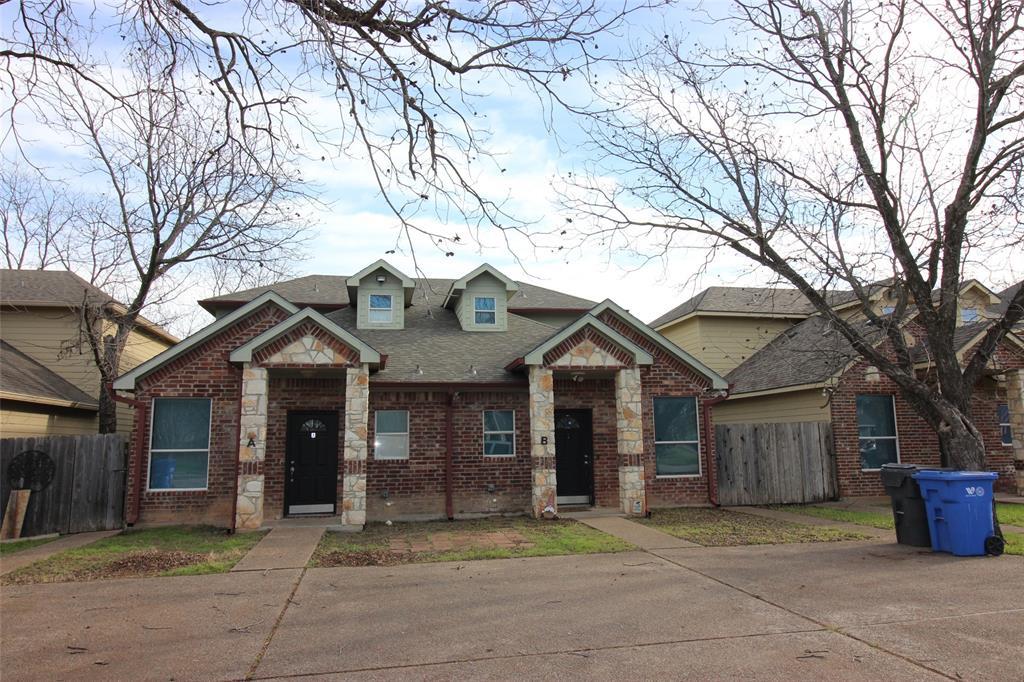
{"x":918,"y":442}
{"x":412,"y":487}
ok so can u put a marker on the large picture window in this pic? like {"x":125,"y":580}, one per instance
{"x":876,"y":427}
{"x":484,"y":311}
{"x":391,"y":430}
{"x":380,"y":308}
{"x":499,"y":432}
{"x":179,"y":444}
{"x":676,"y":440}
{"x":1005,"y":432}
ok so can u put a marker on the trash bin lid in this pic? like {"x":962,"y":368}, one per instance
{"x":937,"y":475}
{"x":895,"y":475}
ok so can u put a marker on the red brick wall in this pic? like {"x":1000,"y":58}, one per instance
{"x":203,"y":372}
{"x":918,"y":443}
{"x":669,"y":377}
{"x":416,"y":486}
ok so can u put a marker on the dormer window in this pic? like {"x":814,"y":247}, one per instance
{"x":484,"y":310}
{"x":969,"y":314}
{"x":888,"y":310}
{"x":380,"y":311}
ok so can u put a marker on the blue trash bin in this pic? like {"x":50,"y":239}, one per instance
{"x":959,"y":505}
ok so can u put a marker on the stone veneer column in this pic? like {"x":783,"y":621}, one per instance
{"x":542,"y":442}
{"x":357,"y":411}
{"x":1015,"y":403}
{"x":252,"y":447}
{"x":630,"y":436}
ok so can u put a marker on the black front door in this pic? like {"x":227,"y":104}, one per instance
{"x":311,"y":463}
{"x":574,"y":456}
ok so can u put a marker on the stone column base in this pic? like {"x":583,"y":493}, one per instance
{"x":545,"y":494}
{"x":632,"y":492}
{"x":353,"y":500}
{"x":249,"y":507}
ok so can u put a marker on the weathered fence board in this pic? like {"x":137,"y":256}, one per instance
{"x":781,"y":463}
{"x":87,"y":491}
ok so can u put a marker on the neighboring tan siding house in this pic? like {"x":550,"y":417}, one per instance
{"x":49,"y":384}
{"x":438,"y":398}
{"x":808,"y":372}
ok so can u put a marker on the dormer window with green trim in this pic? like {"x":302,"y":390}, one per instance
{"x":380,"y":311}
{"x":484,"y":310}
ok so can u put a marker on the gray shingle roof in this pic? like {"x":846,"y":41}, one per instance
{"x":47,"y":287}
{"x":331,"y":290}
{"x":769,"y":301}
{"x":21,"y":375}
{"x":434,"y":348}
{"x":813,"y":351}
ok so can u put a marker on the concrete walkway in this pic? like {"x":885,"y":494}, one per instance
{"x":45,"y":551}
{"x":282,"y":547}
{"x":635,"y":533}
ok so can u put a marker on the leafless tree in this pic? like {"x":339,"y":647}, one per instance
{"x":178,"y":193}
{"x":405,"y":77}
{"x":36,"y":221}
{"x":836,"y":144}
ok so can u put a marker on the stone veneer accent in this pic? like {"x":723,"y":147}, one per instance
{"x":587,"y":354}
{"x":630,"y":437}
{"x":252,"y":428}
{"x":1015,"y":403}
{"x":542,"y":442}
{"x":357,"y":410}
{"x":306,"y":351}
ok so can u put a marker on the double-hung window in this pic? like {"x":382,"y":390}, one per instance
{"x":391,"y":430}
{"x":179,"y":444}
{"x":484,"y":310}
{"x":676,"y":440}
{"x":1005,"y":432}
{"x":876,"y":427}
{"x":499,"y":432}
{"x":380,"y":308}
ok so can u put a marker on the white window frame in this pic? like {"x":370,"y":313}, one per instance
{"x":700,"y":458}
{"x":895,"y":427}
{"x":376,"y":434}
{"x":1008,"y":424}
{"x":209,"y":442}
{"x":483,"y":441}
{"x":370,"y":309}
{"x":494,"y":311}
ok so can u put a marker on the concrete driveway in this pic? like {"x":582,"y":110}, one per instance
{"x":818,"y":611}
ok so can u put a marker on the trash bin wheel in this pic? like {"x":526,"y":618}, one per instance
{"x":994,"y":545}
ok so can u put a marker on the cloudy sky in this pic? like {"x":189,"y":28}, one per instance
{"x":353,"y":227}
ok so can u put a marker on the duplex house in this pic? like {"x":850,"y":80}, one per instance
{"x":49,"y":383}
{"x":785,"y":363}
{"x":379,"y":396}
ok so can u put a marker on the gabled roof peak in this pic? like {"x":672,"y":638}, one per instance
{"x":459,"y":285}
{"x":380,"y":264}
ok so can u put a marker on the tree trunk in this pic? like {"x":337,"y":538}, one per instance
{"x":108,"y":372}
{"x":962,"y":444}
{"x":108,"y":411}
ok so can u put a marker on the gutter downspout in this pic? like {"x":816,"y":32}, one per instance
{"x":449,"y":465}
{"x":709,"y":455}
{"x":141,"y":411}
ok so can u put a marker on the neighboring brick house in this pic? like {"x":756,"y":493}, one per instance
{"x":49,"y":383}
{"x":787,"y":364}
{"x":379,"y":396}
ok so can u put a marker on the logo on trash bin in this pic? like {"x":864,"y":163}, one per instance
{"x":975,"y":491}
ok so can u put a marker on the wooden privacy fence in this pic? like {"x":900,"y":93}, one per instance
{"x":86,"y":491}
{"x":775,"y":463}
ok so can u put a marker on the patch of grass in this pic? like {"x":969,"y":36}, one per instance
{"x":1012,"y":514}
{"x":721,"y":528}
{"x":875,"y":519}
{"x":373,"y":546}
{"x":176,"y":550}
{"x":15,"y":546}
{"x":1014,"y":543}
